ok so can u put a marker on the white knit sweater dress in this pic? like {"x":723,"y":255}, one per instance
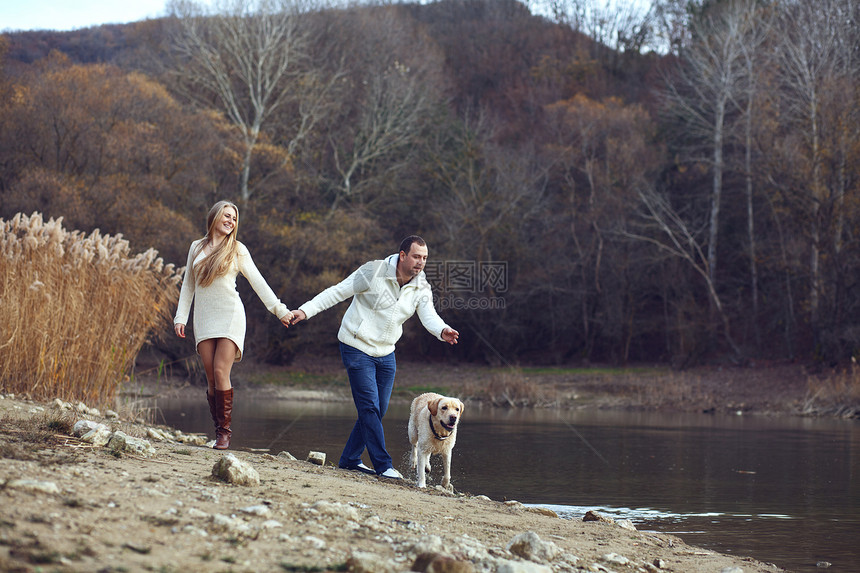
{"x":218,"y":310}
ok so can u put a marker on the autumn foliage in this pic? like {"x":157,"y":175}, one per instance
{"x":650,"y":198}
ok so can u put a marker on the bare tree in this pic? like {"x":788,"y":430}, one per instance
{"x":393,"y":108}
{"x":621,"y":25}
{"x":389,"y":97}
{"x":602,"y":151}
{"x":488,"y":197}
{"x":752,"y":45}
{"x":250,"y":59}
{"x":671,"y":21}
{"x":707,"y":90}
{"x":487,"y":188}
{"x":817,"y":69}
{"x":667,"y":229}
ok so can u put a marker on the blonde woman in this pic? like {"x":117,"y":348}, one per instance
{"x":219,"y":317}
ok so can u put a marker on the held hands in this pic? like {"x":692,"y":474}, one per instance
{"x":287,"y":319}
{"x":450,"y":335}
{"x":298,"y":316}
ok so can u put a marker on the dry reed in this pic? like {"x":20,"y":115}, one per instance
{"x":675,"y":390}
{"x":510,"y":388}
{"x":837,"y":393}
{"x":76,"y":309}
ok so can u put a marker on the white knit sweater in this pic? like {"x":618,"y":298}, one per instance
{"x":373,"y":323}
{"x":218,"y":310}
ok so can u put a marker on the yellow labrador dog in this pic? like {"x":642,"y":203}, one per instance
{"x":433,"y":422}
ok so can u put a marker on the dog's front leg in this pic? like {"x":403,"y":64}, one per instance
{"x":423,"y":468}
{"x":446,"y":480}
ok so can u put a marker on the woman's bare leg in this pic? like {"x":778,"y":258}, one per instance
{"x":218,"y":355}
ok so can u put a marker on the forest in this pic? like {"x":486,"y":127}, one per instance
{"x":676,"y":184}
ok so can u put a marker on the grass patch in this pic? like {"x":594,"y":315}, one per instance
{"x":836,"y":393}
{"x":675,"y":390}
{"x":26,"y":437}
{"x":295,"y":379}
{"x":62,"y":424}
{"x":593,"y":371}
{"x":416,"y":390}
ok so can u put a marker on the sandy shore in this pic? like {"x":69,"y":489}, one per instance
{"x":68,"y":505}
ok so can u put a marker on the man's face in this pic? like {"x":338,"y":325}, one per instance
{"x":413,"y":262}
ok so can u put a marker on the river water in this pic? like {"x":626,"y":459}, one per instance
{"x":784,"y":490}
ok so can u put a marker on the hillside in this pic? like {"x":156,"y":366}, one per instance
{"x":585,"y":200}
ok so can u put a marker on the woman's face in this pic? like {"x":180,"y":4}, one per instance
{"x":227,"y":222}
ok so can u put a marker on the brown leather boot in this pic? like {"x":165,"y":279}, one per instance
{"x":212,"y":410}
{"x":224,"y":415}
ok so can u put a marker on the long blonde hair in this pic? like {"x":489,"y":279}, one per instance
{"x":218,"y":262}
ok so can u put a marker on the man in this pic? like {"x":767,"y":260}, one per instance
{"x":385,"y":293}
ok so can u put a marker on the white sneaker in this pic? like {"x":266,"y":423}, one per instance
{"x":391,"y":473}
{"x":360,"y":467}
{"x":363,"y":468}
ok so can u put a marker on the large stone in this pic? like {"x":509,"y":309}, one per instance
{"x":530,"y":546}
{"x":505,"y":566}
{"x":231,"y":525}
{"x":84,"y":409}
{"x":82,"y":427}
{"x":615,"y":559}
{"x":336,"y":509}
{"x":120,"y":442}
{"x":58,"y":404}
{"x":99,"y":436}
{"x":542,"y":510}
{"x":34,"y":486}
{"x":261,"y":510}
{"x":159,"y":435}
{"x":232,"y":470}
{"x":594,"y":516}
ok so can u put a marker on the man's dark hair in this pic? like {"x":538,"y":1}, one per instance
{"x":406,"y":244}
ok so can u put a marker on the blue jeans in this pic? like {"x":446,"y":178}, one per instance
{"x":371,"y":380}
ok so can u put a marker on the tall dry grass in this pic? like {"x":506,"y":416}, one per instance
{"x":836,"y":393}
{"x":76,"y":309}
{"x":510,"y":388}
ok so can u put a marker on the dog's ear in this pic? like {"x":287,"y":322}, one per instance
{"x":462,"y":405}
{"x":433,"y":406}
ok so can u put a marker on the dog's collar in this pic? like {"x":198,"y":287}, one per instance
{"x":432,"y":429}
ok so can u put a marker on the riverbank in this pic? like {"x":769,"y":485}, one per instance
{"x":763,"y":388}
{"x":69,"y":505}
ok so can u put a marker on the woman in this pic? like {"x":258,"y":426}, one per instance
{"x":219,"y":317}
